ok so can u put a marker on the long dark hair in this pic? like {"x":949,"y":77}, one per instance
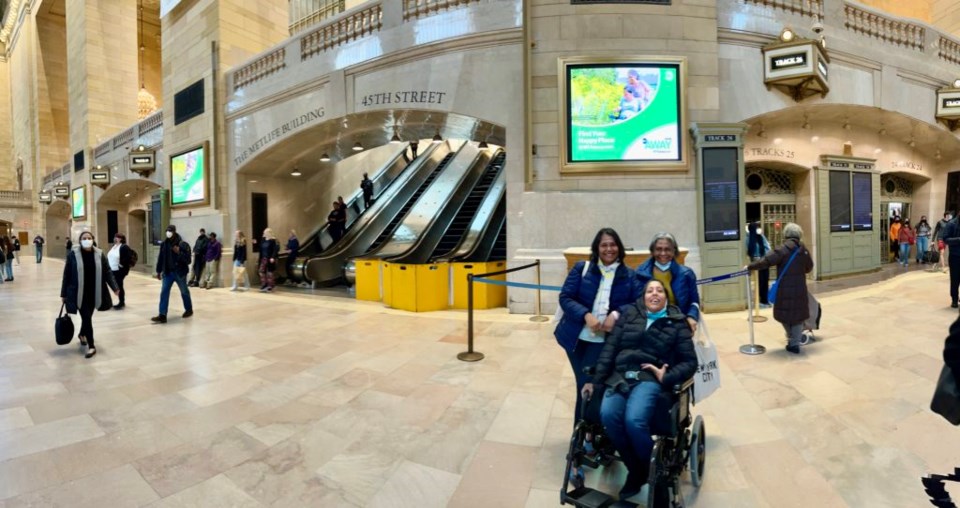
{"x":595,"y":246}
{"x":755,"y":240}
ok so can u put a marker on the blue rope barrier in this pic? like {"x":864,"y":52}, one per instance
{"x":495,"y":282}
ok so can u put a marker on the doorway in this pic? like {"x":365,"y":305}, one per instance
{"x":259,"y":219}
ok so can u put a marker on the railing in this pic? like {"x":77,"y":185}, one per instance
{"x":949,"y":50}
{"x":316,"y":11}
{"x":361,"y":22}
{"x":124,"y":138}
{"x":811,"y":8}
{"x":260,"y":68}
{"x":103,"y":149}
{"x":14,"y":195}
{"x":416,"y":9}
{"x":150,"y":123}
{"x":901,"y":33}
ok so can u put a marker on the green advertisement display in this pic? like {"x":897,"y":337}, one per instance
{"x":79,"y":202}
{"x":188,"y":177}
{"x":624,"y":112}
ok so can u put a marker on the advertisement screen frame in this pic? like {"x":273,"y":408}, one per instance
{"x":194,"y":203}
{"x":568,"y":165}
{"x":73,"y":201}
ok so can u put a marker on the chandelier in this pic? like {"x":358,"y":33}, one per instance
{"x":146,"y":102}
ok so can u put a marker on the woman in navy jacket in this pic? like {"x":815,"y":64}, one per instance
{"x":590,"y":298}
{"x":681,"y":282}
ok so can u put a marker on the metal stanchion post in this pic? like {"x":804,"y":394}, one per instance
{"x":470,"y":355}
{"x":538,"y":318}
{"x":751,"y":348}
{"x":755,"y":315}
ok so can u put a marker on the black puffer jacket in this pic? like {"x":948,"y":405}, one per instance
{"x":791,"y":306}
{"x":669,"y":340}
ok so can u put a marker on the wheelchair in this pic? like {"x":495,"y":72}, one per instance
{"x":679,"y":445}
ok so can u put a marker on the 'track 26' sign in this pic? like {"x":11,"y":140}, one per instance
{"x":788,"y":61}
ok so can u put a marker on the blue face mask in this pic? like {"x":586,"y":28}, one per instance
{"x":663,"y":267}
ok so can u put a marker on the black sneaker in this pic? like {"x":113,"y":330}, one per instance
{"x":793,"y":349}
{"x":159,"y":319}
{"x":953,"y":305}
{"x":633,"y":485}
{"x":188,"y":313}
{"x":90,"y":352}
{"x":118,"y":307}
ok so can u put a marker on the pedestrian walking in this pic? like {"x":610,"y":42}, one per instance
{"x":16,"y":249}
{"x":269,"y":249}
{"x":199,"y":257}
{"x":938,"y":232}
{"x":10,"y":255}
{"x":38,"y":242}
{"x":907,"y":238}
{"x":86,"y":277}
{"x":293,"y":250}
{"x":212,"y":261}
{"x":119,"y":259}
{"x":757,"y":248}
{"x":239,"y":261}
{"x":923,"y":231}
{"x":173,"y":265}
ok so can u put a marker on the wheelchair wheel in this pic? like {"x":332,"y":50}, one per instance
{"x":658,"y":486}
{"x":698,"y":451}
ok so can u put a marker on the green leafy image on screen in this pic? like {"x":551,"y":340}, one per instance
{"x":624,"y":112}
{"x":188,"y":181}
{"x":79,"y":202}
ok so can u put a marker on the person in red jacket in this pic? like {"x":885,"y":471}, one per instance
{"x":907,"y":237}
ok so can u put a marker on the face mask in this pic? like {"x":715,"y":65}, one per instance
{"x":86,"y":244}
{"x":169,"y":234}
{"x":663,"y":267}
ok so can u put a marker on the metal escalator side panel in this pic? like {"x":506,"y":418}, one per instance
{"x":484,"y":248}
{"x":482,"y":220}
{"x":429,"y":216}
{"x":328,"y":267}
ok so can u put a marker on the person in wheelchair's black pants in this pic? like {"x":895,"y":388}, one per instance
{"x":650,"y":348}
{"x":589,"y":298}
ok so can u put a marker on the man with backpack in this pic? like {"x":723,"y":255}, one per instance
{"x":366,"y":185}
{"x":38,"y":242}
{"x":173,"y":265}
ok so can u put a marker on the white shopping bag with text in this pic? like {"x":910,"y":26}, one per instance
{"x":707,"y":377}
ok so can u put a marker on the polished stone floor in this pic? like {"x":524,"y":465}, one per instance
{"x":279,"y":400}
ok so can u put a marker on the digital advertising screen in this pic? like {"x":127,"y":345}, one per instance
{"x":79,"y":208}
{"x":627,"y":112}
{"x":862,"y":202}
{"x":721,"y":195}
{"x":188,"y":177}
{"x":840,"y":201}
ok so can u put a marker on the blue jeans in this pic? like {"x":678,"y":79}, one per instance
{"x":627,"y":422}
{"x":923,"y":243}
{"x":794,"y":333}
{"x":168,"y":280}
{"x":585,"y":354}
{"x":904,"y":254}
{"x":9,"y":266}
{"x":39,"y":254}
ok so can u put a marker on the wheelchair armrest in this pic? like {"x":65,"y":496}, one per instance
{"x":680,"y":388}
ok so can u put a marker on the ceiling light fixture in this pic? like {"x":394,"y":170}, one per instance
{"x":787,"y":35}
{"x":295,"y":172}
{"x":913,"y":144}
{"x":127,"y":195}
{"x":484,"y":145}
{"x":882,"y":132}
{"x":396,"y":137}
{"x":938,"y":156}
{"x":146,"y":102}
{"x":357,"y":147}
{"x":956,"y":83}
{"x":437,"y":137}
{"x":324,"y":157}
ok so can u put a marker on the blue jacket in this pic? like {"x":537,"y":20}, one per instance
{"x":683,"y":284}
{"x":578,"y":294}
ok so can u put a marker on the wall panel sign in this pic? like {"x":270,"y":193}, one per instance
{"x":797,"y":68}
{"x":948,"y":107}
{"x":100,"y":177}
{"x":61,"y":191}
{"x":844,"y":165}
{"x":720,"y":138}
{"x":46,"y":197}
{"x":595,"y":2}
{"x":405,"y":97}
{"x":770,"y":152}
{"x":721,"y":195}
{"x":142,"y":161}
{"x":950,"y":103}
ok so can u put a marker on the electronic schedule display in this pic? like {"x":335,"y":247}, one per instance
{"x":721,"y":195}
{"x":624,"y":112}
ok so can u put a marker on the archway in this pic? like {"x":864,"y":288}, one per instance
{"x":58,"y":228}
{"x":122,"y":208}
{"x":773,"y":189}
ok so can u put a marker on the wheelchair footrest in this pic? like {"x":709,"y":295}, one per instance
{"x":585,"y":497}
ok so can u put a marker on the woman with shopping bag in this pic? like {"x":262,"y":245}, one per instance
{"x":86,"y":277}
{"x":788,"y":294}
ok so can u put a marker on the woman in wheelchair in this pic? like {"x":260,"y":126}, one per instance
{"x":649,"y":350}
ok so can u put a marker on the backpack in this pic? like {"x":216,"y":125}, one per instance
{"x":132,"y":262}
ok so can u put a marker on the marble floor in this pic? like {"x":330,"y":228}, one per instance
{"x":278,"y":400}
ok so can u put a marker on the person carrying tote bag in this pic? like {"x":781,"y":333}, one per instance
{"x":86,"y":279}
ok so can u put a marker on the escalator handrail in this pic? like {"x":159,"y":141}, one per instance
{"x":475,"y":231}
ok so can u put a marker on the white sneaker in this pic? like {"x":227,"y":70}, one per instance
{"x":233,"y":288}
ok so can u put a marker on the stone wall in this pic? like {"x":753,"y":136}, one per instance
{"x":946,"y":16}
{"x":920,"y":10}
{"x":8,"y":173}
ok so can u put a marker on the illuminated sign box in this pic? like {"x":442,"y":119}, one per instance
{"x":61,"y":191}
{"x":100,"y":177}
{"x":142,"y":161}
{"x":948,"y":107}
{"x":46,"y":197}
{"x":798,"y":68}
{"x":79,"y":204}
{"x":623,"y":114}
{"x":190,"y":178}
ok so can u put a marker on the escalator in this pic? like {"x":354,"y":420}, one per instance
{"x":320,"y":239}
{"x":457,"y":231}
{"x":392,"y":227}
{"x":382,"y":217}
{"x":486,"y":241}
{"x":417,"y":236}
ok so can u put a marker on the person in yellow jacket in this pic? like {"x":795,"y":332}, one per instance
{"x":894,"y":238}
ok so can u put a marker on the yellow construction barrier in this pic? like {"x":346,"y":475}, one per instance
{"x":368,"y":279}
{"x":485,"y":296}
{"x":386,"y":285}
{"x":417,"y":288}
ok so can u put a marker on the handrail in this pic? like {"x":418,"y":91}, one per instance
{"x":949,"y":49}
{"x":416,"y":9}
{"x":885,"y":28}
{"x":260,"y":68}
{"x":124,"y":138}
{"x":810,"y":8}
{"x":150,"y":123}
{"x":351,"y":26}
{"x":325,"y":11}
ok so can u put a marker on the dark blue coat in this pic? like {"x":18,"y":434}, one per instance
{"x":683,"y":284}
{"x":578,"y":294}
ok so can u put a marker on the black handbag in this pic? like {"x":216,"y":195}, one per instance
{"x":946,"y":398}
{"x":63,"y":327}
{"x":106,"y":301}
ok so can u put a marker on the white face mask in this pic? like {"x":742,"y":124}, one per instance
{"x":169,"y":234}
{"x":86,"y":244}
